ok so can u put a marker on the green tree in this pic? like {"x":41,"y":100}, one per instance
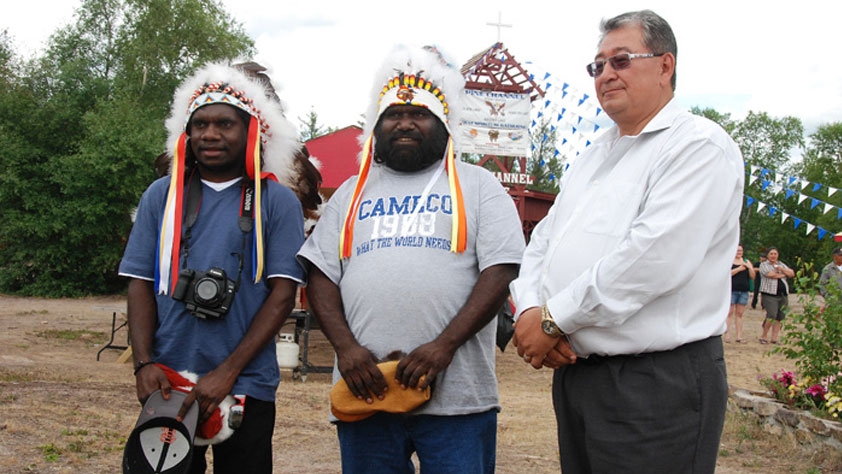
{"x":80,"y":128}
{"x":311,"y":128}
{"x":769,"y":143}
{"x":724,"y":120}
{"x":546,"y":164}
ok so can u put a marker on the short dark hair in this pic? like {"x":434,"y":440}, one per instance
{"x":657,"y":33}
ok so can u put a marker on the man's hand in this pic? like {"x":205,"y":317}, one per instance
{"x":358,"y":367}
{"x":534,"y":345}
{"x":427,"y":360}
{"x":561,"y":354}
{"x":149,"y":379}
{"x":209,"y":391}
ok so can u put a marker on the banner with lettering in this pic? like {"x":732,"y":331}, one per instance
{"x":495,"y":123}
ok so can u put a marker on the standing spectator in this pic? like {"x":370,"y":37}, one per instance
{"x":757,"y":281}
{"x":832,"y":272}
{"x":211,"y":282}
{"x":415,"y":255}
{"x":625,"y":281}
{"x":742,"y":272}
{"x":775,"y":291}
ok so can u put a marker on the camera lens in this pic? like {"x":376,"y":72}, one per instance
{"x":207,"y":291}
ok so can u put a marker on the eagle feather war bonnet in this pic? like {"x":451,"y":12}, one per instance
{"x":271,"y":146}
{"x":421,"y":77}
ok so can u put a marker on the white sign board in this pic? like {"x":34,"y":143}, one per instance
{"x":495,"y":123}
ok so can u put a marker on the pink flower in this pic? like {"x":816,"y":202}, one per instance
{"x":816,"y":391}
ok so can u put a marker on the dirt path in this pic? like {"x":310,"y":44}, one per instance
{"x":62,"y":411}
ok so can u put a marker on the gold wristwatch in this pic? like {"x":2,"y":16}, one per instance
{"x":548,"y":324}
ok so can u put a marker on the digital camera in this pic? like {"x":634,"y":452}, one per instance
{"x":207,"y":295}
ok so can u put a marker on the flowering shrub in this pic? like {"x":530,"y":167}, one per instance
{"x":812,"y":338}
{"x":804,"y":394}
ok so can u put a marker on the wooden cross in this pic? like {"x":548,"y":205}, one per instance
{"x":499,"y":24}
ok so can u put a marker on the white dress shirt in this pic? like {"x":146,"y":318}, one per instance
{"x":635,"y":253}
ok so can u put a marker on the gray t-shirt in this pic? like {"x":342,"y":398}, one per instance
{"x":402,"y":286}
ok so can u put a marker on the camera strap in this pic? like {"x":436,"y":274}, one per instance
{"x":245,"y":220}
{"x":194,"y":200}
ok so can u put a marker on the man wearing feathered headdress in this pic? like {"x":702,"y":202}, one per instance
{"x":414,"y":255}
{"x":211,"y":260}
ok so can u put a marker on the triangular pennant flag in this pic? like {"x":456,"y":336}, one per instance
{"x":765,"y":185}
{"x":565,"y":86}
{"x":784,"y":216}
{"x":801,"y":197}
{"x":598,"y":111}
{"x":813,"y":203}
{"x":763,"y":172}
{"x":827,"y":208}
{"x":804,"y":184}
{"x":810,"y":228}
{"x":754,"y":168}
{"x":792,"y":180}
{"x":772,"y":211}
{"x":752,"y":179}
{"x":822,"y":233}
{"x":749,"y":201}
{"x":595,"y":127}
{"x":831,"y":191}
{"x":816,"y":187}
{"x":839,"y":213}
{"x":789,"y":194}
{"x":546,"y":76}
{"x":547,"y":87}
{"x":796,"y":221}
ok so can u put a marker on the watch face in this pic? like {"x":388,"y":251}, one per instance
{"x":550,"y":328}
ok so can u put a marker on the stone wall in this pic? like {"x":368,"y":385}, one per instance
{"x":780,"y":418}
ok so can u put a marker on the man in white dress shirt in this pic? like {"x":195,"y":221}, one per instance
{"x":624,"y":285}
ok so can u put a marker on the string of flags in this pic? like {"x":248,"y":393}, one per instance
{"x":791,"y":186}
{"x":573,"y":116}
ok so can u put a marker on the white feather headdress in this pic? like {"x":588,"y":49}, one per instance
{"x":422,"y":77}
{"x":271,"y":146}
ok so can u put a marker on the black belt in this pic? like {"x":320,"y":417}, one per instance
{"x":595,"y":359}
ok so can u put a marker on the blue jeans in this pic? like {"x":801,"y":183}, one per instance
{"x":384,"y":443}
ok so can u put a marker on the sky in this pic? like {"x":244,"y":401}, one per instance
{"x":733,"y":56}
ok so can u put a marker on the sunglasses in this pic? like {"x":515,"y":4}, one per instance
{"x":618,"y":62}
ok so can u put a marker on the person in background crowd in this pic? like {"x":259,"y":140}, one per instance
{"x":774,"y":290}
{"x":742,"y":272}
{"x":832,"y":272}
{"x":757,"y":281}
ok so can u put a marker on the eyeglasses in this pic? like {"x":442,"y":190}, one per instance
{"x":618,"y":62}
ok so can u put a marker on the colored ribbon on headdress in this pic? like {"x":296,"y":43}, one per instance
{"x":459,"y":230}
{"x":346,"y":235}
{"x":252,"y":170}
{"x":169,"y":238}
